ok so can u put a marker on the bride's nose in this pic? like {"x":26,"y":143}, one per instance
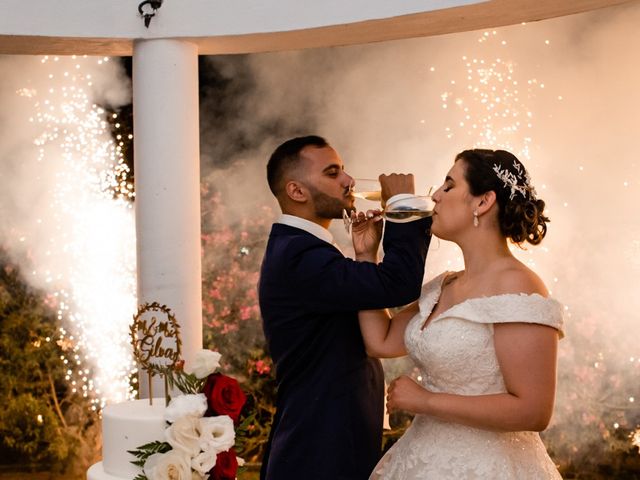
{"x":435,"y":196}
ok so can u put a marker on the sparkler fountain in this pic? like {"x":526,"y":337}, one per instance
{"x":78,"y":228}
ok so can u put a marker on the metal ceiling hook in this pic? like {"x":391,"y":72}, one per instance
{"x":148,"y":15}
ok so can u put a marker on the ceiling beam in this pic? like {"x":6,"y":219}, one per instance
{"x":493,"y":13}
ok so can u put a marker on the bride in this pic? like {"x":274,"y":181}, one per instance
{"x":484,"y":338}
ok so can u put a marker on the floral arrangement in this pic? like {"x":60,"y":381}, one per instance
{"x":199,"y":441}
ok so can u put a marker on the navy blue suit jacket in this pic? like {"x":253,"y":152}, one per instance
{"x":330,"y":405}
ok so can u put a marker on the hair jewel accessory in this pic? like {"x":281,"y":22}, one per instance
{"x":518,"y":182}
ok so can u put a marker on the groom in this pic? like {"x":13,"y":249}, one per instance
{"x":329,"y":410}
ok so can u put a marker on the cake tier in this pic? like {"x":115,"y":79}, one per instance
{"x":96,"y":472}
{"x":127,"y":426}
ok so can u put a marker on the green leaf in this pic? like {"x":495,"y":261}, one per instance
{"x":143,"y":452}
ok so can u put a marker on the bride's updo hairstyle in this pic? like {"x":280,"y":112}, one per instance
{"x":520,"y":214}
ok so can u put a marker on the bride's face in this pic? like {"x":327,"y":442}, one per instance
{"x":453,"y":213}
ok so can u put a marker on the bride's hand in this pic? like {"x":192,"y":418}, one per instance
{"x":405,"y":394}
{"x":366,"y":232}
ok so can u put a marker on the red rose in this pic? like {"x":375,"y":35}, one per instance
{"x":224,"y":396}
{"x":226,"y":466}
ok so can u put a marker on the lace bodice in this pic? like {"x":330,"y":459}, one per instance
{"x":455,"y":353}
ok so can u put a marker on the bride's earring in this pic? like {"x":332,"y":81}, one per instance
{"x":476,"y":222}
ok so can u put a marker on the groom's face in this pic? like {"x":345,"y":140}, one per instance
{"x":328,"y":184}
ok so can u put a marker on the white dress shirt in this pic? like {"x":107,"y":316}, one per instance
{"x":308,"y":226}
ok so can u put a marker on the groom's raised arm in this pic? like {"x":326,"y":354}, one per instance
{"x":328,"y":281}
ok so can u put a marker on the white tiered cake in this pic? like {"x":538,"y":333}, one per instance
{"x":127,"y":426}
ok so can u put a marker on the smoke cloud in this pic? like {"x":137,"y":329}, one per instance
{"x":562,"y":94}
{"x":60,"y":217}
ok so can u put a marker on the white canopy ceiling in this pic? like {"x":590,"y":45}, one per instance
{"x":239,"y":26}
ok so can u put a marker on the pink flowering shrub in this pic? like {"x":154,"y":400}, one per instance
{"x":232,"y":250}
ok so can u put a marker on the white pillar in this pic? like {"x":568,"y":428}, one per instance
{"x":167,"y":183}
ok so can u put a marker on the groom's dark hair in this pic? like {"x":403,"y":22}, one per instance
{"x":287,"y":157}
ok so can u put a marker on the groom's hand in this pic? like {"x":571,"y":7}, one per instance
{"x":366,"y":232}
{"x":394,"y":184}
{"x":405,"y":394}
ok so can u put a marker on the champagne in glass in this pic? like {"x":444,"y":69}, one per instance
{"x":402,"y":210}
{"x":367,"y":189}
{"x":409,"y":209}
{"x":374,"y":196}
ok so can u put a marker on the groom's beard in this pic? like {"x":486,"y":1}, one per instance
{"x":327,"y":206}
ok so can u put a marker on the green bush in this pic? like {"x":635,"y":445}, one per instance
{"x":42,"y":424}
{"x":32,"y":432}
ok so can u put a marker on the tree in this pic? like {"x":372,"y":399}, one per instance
{"x":43,"y":425}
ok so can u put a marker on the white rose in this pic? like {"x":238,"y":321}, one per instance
{"x":217,"y":433}
{"x":204,"y":462}
{"x":184,"y":435}
{"x":197,"y":475}
{"x":204,"y":363}
{"x":194,"y":404}
{"x":173,"y":465}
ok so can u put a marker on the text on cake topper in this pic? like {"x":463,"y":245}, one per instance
{"x":155,"y":338}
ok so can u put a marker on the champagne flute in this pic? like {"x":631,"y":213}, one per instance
{"x":402,"y":210}
{"x":409,"y":209}
{"x":367,"y":189}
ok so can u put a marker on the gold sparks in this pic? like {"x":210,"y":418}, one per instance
{"x":89,"y":261}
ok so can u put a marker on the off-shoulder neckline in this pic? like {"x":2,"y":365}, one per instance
{"x":438,"y":293}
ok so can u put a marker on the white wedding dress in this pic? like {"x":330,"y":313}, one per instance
{"x":455,"y":354}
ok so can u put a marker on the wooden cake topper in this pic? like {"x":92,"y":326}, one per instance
{"x":155,"y":338}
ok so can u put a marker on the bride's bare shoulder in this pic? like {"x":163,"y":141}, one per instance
{"x":518,"y":278}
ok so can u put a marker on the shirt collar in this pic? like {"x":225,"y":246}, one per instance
{"x":306,"y":225}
